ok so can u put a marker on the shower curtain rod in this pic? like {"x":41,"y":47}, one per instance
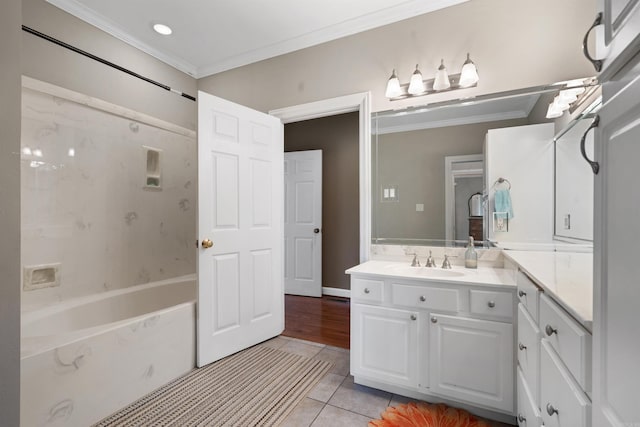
{"x":103,"y":61}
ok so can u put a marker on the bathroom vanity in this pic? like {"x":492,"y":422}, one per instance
{"x":500,"y":342}
{"x":435,"y":334}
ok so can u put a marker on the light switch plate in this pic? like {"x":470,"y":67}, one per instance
{"x":419,"y":207}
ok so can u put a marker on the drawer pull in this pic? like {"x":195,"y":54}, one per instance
{"x":551,"y":410}
{"x":549,"y":330}
{"x":521,"y":294}
{"x":423,"y":298}
{"x":366,"y":290}
{"x":522,"y":346}
{"x":521,"y":418}
{"x":434,"y":319}
{"x":491,"y":304}
{"x":414,"y":317}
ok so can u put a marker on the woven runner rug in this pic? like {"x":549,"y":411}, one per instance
{"x":255,"y":387}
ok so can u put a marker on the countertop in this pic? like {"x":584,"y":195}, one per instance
{"x":567,"y":277}
{"x":488,"y":276}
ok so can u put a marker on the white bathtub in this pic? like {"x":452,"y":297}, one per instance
{"x":85,"y":358}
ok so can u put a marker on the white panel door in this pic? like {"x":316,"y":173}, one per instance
{"x":303,"y":223}
{"x":240,"y":278}
{"x":616,"y":334}
{"x":472,"y":360}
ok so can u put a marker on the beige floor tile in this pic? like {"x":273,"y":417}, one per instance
{"x":340,"y":360}
{"x":363,"y":400}
{"x":336,"y":417}
{"x":326,"y":387}
{"x":303,"y":414}
{"x":302,"y":348}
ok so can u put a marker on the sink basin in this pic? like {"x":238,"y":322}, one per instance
{"x":422,"y":271}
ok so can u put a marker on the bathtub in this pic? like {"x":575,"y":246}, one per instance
{"x":85,"y":358}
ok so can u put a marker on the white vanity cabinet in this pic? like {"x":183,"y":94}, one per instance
{"x":434,"y":339}
{"x":554,"y":363}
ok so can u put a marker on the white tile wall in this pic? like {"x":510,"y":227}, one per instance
{"x":84,"y":202}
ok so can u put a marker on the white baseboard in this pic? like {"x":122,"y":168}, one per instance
{"x":336,"y":292}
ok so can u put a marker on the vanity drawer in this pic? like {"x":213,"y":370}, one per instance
{"x":528,"y":350}
{"x":367,"y":289}
{"x":528,"y":294}
{"x":427,"y":297}
{"x":569,"y":339}
{"x":492,"y":303}
{"x":560,"y":392}
{"x":528,"y":414}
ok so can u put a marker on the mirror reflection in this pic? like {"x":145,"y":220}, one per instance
{"x":433,"y":181}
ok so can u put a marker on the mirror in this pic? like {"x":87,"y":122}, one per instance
{"x":428,"y":166}
{"x":574,"y":179}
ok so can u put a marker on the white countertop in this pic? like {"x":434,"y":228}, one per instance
{"x":567,"y":277}
{"x":465,"y":276}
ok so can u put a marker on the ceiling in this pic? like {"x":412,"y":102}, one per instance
{"x":211,"y":36}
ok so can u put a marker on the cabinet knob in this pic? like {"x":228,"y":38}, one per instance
{"x":434,"y":319}
{"x":521,"y":293}
{"x":423,"y":298}
{"x":550,"y":330}
{"x":491,"y":304}
{"x":522,"y":346}
{"x":366,"y":290}
{"x":521,"y":418}
{"x":551,"y":410}
{"x":414,"y":317}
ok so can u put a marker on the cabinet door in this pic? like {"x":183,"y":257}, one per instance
{"x":472,"y":360}
{"x":384,"y":344}
{"x":621,"y":19}
{"x":616,"y":346}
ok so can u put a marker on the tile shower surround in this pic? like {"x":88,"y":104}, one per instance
{"x":84,"y":204}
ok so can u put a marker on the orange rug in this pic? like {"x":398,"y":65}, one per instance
{"x":423,"y":414}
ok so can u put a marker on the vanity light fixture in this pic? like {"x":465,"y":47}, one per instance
{"x":567,"y":96}
{"x":163,"y":29}
{"x":417,"y":86}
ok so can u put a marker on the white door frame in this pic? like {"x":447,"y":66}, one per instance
{"x":360,"y":102}
{"x":449,"y":187}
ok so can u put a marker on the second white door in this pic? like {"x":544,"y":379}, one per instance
{"x":303,"y":222}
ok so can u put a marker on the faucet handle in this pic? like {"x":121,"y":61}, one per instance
{"x":415,"y":262}
{"x":446,"y":263}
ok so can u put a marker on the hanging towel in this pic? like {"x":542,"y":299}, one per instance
{"x":502,"y":204}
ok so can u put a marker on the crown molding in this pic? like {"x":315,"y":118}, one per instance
{"x":458,"y":121}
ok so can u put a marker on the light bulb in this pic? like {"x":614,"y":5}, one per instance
{"x":416,"y":85}
{"x":441,"y":81}
{"x":469,"y":74}
{"x":393,"y":86}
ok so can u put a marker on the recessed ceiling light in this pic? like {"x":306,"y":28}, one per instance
{"x":162,"y":29}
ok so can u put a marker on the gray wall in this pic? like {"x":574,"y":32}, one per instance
{"x":414,"y":162}
{"x":516,"y":44}
{"x":45,"y":61}
{"x":10,"y":213}
{"x":337,"y":137}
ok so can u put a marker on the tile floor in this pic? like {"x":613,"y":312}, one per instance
{"x":336,"y":400}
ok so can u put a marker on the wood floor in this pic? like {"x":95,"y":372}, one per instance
{"x":323,"y":320}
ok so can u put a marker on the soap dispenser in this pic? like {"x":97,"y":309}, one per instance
{"x":470,"y":255}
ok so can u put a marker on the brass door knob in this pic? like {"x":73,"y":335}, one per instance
{"x":206,"y":244}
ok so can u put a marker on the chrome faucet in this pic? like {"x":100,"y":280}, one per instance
{"x":430,"y":261}
{"x":446,"y":264}
{"x":415,"y":262}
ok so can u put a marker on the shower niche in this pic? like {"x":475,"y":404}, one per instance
{"x":153,"y":168}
